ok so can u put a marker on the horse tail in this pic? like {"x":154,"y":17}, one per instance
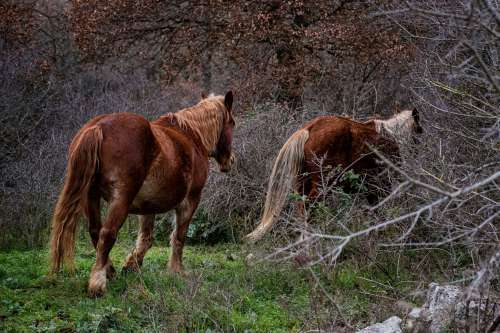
{"x":83,"y":162}
{"x":285,"y":171}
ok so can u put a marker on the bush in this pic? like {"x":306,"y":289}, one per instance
{"x":203,"y":229}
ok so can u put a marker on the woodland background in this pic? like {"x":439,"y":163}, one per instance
{"x":64,"y":62}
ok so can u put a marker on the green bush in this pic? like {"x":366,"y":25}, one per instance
{"x":206,"y":230}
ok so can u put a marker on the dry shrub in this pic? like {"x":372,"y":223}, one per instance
{"x":445,"y":200}
{"x":38,"y":124}
{"x":258,"y":136}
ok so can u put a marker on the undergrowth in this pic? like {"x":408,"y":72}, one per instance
{"x":221,"y":292}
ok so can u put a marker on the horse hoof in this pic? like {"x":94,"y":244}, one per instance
{"x":177,"y":270}
{"x":251,"y":238}
{"x":181,"y":273}
{"x":110,"y":272}
{"x":97,"y":283}
{"x":250,"y":259}
{"x":130,"y":269}
{"x":96,"y":290}
{"x":96,"y":293}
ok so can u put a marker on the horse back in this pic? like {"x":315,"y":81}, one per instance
{"x":153,"y":165}
{"x":341,"y":142}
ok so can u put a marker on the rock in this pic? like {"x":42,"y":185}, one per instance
{"x":443,"y":305}
{"x":441,"y":298}
{"x":445,"y":308}
{"x":440,"y":305}
{"x":415,"y":313}
{"x":413,"y":323}
{"x":391,"y":325}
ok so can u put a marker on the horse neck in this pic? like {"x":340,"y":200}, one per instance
{"x":397,"y":128}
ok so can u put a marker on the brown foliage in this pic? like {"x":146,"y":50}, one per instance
{"x":286,"y":44}
{"x":17,"y":22}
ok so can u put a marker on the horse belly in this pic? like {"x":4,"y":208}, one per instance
{"x":157,"y":197}
{"x":168,"y":180}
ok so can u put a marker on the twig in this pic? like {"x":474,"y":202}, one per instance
{"x":408,"y":177}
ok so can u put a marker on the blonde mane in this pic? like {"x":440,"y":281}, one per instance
{"x":398,"y":128}
{"x":205,"y":119}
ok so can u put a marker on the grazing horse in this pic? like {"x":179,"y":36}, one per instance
{"x":343,"y":142}
{"x":139,"y":167}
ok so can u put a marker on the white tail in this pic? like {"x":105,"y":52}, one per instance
{"x":286,"y":168}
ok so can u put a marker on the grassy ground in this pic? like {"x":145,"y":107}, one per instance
{"x":220,"y":293}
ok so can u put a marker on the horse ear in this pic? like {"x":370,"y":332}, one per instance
{"x":415,"y":114}
{"x":228,"y":100}
{"x":204,"y":95}
{"x":416,"y":118}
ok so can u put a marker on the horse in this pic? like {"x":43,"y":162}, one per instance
{"x":342,"y":142}
{"x":139,"y":167}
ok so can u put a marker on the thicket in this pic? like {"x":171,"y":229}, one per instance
{"x":65,"y":62}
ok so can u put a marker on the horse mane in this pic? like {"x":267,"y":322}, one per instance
{"x":398,"y":127}
{"x":204,"y":119}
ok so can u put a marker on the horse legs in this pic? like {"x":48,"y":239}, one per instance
{"x":307,"y":187}
{"x":313,"y":193}
{"x":300,"y":205}
{"x":310,"y":190}
{"x":377,"y":188}
{"x":142,"y":245}
{"x":93,"y":213}
{"x":118,"y":210}
{"x":183,"y":214}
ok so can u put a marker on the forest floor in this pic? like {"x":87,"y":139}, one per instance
{"x":219,"y":293}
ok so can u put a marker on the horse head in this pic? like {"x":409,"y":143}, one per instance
{"x":403,"y":127}
{"x":223,"y":153}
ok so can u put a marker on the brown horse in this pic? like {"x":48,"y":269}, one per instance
{"x":343,"y":142}
{"x":139,"y":167}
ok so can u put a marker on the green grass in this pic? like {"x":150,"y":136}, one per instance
{"x":217,"y":294}
{"x":220,"y":293}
